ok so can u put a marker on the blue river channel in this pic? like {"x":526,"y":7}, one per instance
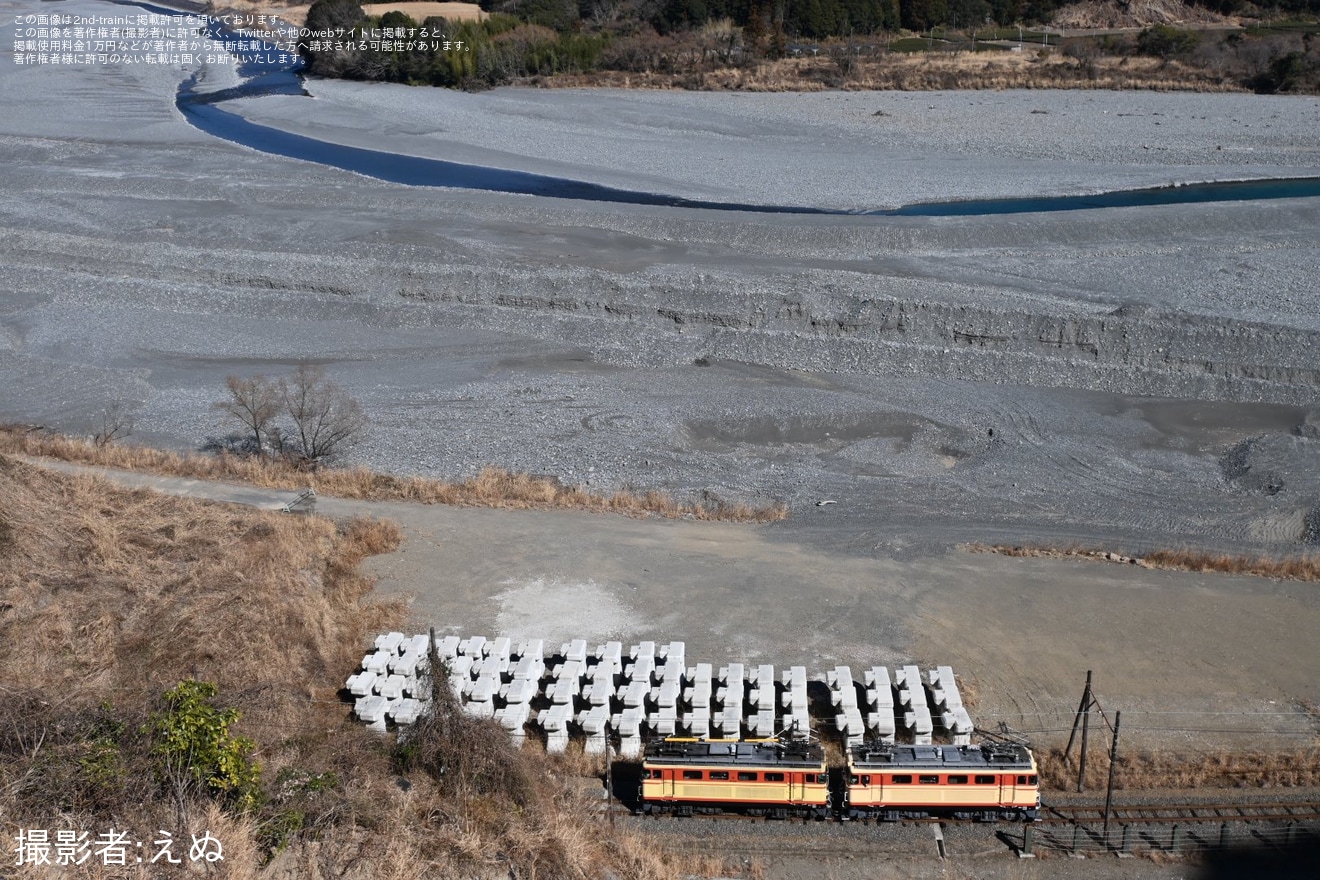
{"x":276,"y":73}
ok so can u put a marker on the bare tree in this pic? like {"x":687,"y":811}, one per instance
{"x":255,"y":403}
{"x":325,"y":417}
{"x":115,"y":422}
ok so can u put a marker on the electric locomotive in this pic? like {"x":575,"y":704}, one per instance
{"x":758,"y":777}
{"x":988,"y":782}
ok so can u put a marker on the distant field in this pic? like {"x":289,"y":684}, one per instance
{"x":419,"y":11}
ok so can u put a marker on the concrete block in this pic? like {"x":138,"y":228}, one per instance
{"x":575,"y":650}
{"x":404,"y":664}
{"x":370,"y":708}
{"x":513,"y":716}
{"x":390,"y":642}
{"x":610,"y":652}
{"x":531,"y":648}
{"x":634,"y":693}
{"x":598,"y":693}
{"x":642,"y":649}
{"x":378,"y":662}
{"x":499,"y":647}
{"x":390,"y":687}
{"x":472,"y":646}
{"x":563,"y":692}
{"x":519,"y":691}
{"x":362,"y":684}
{"x":531,"y":667}
{"x":405,"y":711}
{"x":447,"y":647}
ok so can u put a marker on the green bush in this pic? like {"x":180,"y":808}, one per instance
{"x":194,"y":745}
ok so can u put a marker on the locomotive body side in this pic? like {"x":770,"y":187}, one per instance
{"x":990,"y":782}
{"x":756,"y":777}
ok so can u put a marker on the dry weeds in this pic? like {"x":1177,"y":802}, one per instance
{"x":926,"y":71}
{"x":1151,"y":769}
{"x":109,"y":596}
{"x":493,"y":487}
{"x":1295,"y":568}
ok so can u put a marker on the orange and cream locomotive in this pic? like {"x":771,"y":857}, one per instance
{"x":758,"y":777}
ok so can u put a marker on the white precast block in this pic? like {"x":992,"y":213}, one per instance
{"x":841,"y":683}
{"x":761,"y":690}
{"x":699,"y":694}
{"x":530,"y":668}
{"x":598,"y":693}
{"x":479,"y":709}
{"x":728,"y":722}
{"x":879,"y":690}
{"x":447,"y":647}
{"x":733,"y":693}
{"x":630,"y":746}
{"x":882,"y":724}
{"x":634,"y":693}
{"x":361,"y":684}
{"x":663,"y":722}
{"x":762,"y":724}
{"x":667,"y":693}
{"x":642,"y":649}
{"x":628,"y":722}
{"x":610,"y":652}
{"x":377,"y":662}
{"x":390,"y":687}
{"x":674,"y":652}
{"x":418,"y":644}
{"x":461,"y":666}
{"x":513,"y":716}
{"x":405,"y":711}
{"x":594,"y":720}
{"x":498,"y":647}
{"x":370,"y":708}
{"x":569,"y":670}
{"x":562,"y":693}
{"x":404,"y":664}
{"x":575,"y":650}
{"x":519,"y":691}
{"x":472,"y":646}
{"x":390,"y":642}
{"x":697,"y":723}
{"x":481,"y":690}
{"x":642,"y":669}
{"x":490,"y":667}
{"x":531,"y":648}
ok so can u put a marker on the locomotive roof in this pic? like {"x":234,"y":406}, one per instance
{"x":1003,"y":756}
{"x":769,"y":753}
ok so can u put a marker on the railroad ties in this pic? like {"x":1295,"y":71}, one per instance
{"x":617,"y":698}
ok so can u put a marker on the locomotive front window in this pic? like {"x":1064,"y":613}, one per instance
{"x":691,"y":774}
{"x":866,"y":780}
{"x":1022,"y":780}
{"x":985,"y":780}
{"x":1031,"y":780}
{"x":957,"y":780}
{"x":656,"y":774}
{"x":719,"y":774}
{"x":929,"y":780}
{"x":902,"y":779}
{"x":823,"y":778}
{"x":774,"y":777}
{"x":744,"y":776}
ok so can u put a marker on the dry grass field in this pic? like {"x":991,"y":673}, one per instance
{"x":109,"y":597}
{"x":1305,"y":567}
{"x":492,"y":487}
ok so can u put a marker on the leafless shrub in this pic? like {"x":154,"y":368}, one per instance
{"x":326,"y":418}
{"x":254,"y":403}
{"x":114,"y":423}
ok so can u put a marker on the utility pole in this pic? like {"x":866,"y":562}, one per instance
{"x":1113,"y":765}
{"x":1083,"y":718}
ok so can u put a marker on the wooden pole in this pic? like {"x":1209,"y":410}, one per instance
{"x":1113,"y":766}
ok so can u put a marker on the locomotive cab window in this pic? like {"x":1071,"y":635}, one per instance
{"x":928,"y":780}
{"x":957,"y":780}
{"x":823,"y":778}
{"x":774,"y":777}
{"x":902,"y":779}
{"x":719,"y":774}
{"x":691,"y":774}
{"x":1031,"y":780}
{"x":1022,"y":780}
{"x":744,"y":776}
{"x":656,"y":774}
{"x":985,"y":780}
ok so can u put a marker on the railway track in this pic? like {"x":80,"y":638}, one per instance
{"x":1175,"y":814}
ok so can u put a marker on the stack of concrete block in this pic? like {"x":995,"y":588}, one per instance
{"x":954,"y":718}
{"x":761,"y":697}
{"x":843,"y":694}
{"x":880,"y":704}
{"x":912,"y":696}
{"x":595,"y":723}
{"x":628,"y":724}
{"x":479,"y":696}
{"x":387,"y":685}
{"x":697,"y":701}
{"x":554,"y":721}
{"x":796,"y":722}
{"x":513,"y":718}
{"x":731,"y":696}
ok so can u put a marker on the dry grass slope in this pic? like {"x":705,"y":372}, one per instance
{"x":1156,"y":769}
{"x":110,"y":596}
{"x":493,"y":487}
